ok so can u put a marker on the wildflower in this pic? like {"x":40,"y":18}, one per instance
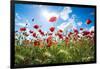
{"x":52,"y":19}
{"x":49,"y":41}
{"x":81,"y":28}
{"x":69,"y":34}
{"x":76,"y":31}
{"x":66,"y":40}
{"x":86,"y":33}
{"x":34,"y":34}
{"x":39,"y":30}
{"x":60,"y":36}
{"x":31,"y":31}
{"x":23,"y":29}
{"x":88,"y":21}
{"x":36,"y":26}
{"x":52,"y":29}
{"x":36,"y":43}
{"x":42,"y":33}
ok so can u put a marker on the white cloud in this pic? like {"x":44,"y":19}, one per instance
{"x":23,"y":24}
{"x":70,"y":24}
{"x":79,"y":23}
{"x":65,"y":26}
{"x":17,"y":16}
{"x":48,"y":14}
{"x":65,"y":13}
{"x":91,"y":29}
{"x":20,"y":24}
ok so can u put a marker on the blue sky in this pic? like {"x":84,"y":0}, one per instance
{"x":24,"y":13}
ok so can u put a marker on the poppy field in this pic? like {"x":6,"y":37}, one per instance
{"x":56,"y":37}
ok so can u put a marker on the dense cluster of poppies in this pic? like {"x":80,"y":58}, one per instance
{"x":54,"y":36}
{"x":53,"y":46}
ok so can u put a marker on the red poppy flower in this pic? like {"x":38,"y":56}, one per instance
{"x":49,"y":41}
{"x":76,"y":31}
{"x":66,"y":37}
{"x":66,"y":40}
{"x":34,"y":34}
{"x":70,"y":33}
{"x":23,"y":29}
{"x":31,"y":31}
{"x":39,"y":30}
{"x":88,"y":21}
{"x":52,"y":29}
{"x":42,"y":33}
{"x":86,"y":33}
{"x":81,"y":28}
{"x":49,"y":38}
{"x":36,"y":26}
{"x":36,"y":43}
{"x":52,"y":19}
{"x":60,"y":36}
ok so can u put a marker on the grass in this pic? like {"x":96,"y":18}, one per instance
{"x":74,"y":52}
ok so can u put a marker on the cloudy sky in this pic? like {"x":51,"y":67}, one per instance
{"x":67,"y":17}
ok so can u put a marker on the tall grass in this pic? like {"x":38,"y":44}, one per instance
{"x":73,"y":52}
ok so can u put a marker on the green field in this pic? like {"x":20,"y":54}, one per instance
{"x":74,"y":52}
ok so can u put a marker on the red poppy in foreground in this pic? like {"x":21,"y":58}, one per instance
{"x":52,"y":29}
{"x":69,"y":34}
{"x":36,"y":43}
{"x":23,"y":29}
{"x":66,"y":40}
{"x":53,"y":19}
{"x":88,"y":21}
{"x":49,"y":41}
{"x":36,"y":26}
